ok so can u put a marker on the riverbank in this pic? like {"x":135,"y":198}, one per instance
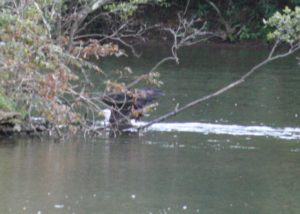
{"x":12,"y":122}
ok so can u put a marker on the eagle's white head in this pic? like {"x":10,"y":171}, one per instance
{"x":106,"y":113}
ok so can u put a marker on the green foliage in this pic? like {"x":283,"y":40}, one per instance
{"x":6,"y":104}
{"x":265,"y":8}
{"x":247,"y":33}
{"x":163,"y":3}
{"x":241,"y":20}
{"x":202,"y":9}
{"x":286,"y":25}
{"x":127,"y":8}
{"x":295,"y":2}
{"x":38,"y":69}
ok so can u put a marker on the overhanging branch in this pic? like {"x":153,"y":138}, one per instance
{"x":271,"y":57}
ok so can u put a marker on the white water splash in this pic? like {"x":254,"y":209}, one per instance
{"x":59,"y":206}
{"x":236,"y":130}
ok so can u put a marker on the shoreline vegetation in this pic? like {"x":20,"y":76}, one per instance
{"x":45,"y":44}
{"x":14,"y":123}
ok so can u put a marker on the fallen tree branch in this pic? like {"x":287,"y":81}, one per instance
{"x":271,"y":57}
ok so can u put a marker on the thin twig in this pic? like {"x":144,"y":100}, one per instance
{"x":186,"y":7}
{"x":130,"y":85}
{"x":183,"y":35}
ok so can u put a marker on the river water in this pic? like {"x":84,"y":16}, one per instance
{"x":237,"y":153}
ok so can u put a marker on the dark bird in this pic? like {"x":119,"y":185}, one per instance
{"x":128,"y":105}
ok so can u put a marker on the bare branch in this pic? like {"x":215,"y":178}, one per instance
{"x":186,"y":7}
{"x":80,"y":16}
{"x":43,"y":18}
{"x":183,"y":35}
{"x":153,"y":69}
{"x":121,"y":34}
{"x":269,"y":59}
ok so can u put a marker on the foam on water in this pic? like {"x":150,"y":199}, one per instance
{"x":238,"y":130}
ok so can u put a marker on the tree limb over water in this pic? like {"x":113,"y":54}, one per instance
{"x":286,"y":31}
{"x":44,"y":50}
{"x":232,"y":85}
{"x":183,"y":35}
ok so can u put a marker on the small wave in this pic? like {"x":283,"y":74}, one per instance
{"x":238,"y":130}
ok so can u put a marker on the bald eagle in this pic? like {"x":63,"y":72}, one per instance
{"x":128,"y":105}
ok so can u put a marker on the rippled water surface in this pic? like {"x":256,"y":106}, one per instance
{"x":237,"y":153}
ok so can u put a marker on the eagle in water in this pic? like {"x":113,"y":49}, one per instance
{"x":128,"y":105}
